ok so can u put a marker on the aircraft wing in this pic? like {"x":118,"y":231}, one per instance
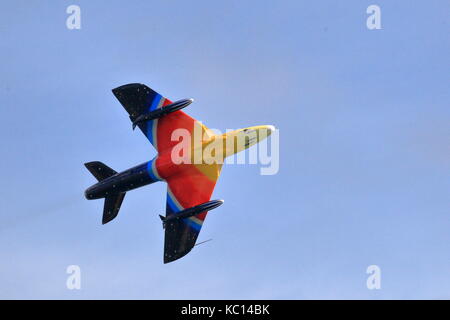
{"x":185,"y":191}
{"x":138,"y":99}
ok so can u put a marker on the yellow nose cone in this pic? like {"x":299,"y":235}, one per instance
{"x":242,"y":139}
{"x":260,"y":132}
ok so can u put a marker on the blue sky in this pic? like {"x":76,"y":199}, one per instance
{"x":364,"y":159}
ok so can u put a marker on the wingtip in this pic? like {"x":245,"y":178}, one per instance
{"x":105,"y":220}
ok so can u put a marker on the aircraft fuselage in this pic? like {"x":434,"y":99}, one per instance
{"x":124,"y":181}
{"x":163,"y":166}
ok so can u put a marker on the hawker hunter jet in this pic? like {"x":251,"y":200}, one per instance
{"x":189,"y":160}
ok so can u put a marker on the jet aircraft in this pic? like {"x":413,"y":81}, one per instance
{"x":189,"y":160}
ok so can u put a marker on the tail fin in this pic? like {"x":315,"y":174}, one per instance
{"x":99,"y":170}
{"x":112,"y":202}
{"x":112,"y":206}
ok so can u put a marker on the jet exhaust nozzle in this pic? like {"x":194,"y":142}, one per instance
{"x":158,"y":113}
{"x":190,"y":212}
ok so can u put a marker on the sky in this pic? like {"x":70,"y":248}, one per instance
{"x":363,"y":119}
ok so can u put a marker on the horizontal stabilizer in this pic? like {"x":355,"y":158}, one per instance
{"x":112,"y":206}
{"x":99,"y":170}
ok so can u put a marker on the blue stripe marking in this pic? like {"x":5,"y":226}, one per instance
{"x":192,"y":224}
{"x":150,"y":131}
{"x":172,"y":204}
{"x":155,"y":102}
{"x":150,"y":171}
